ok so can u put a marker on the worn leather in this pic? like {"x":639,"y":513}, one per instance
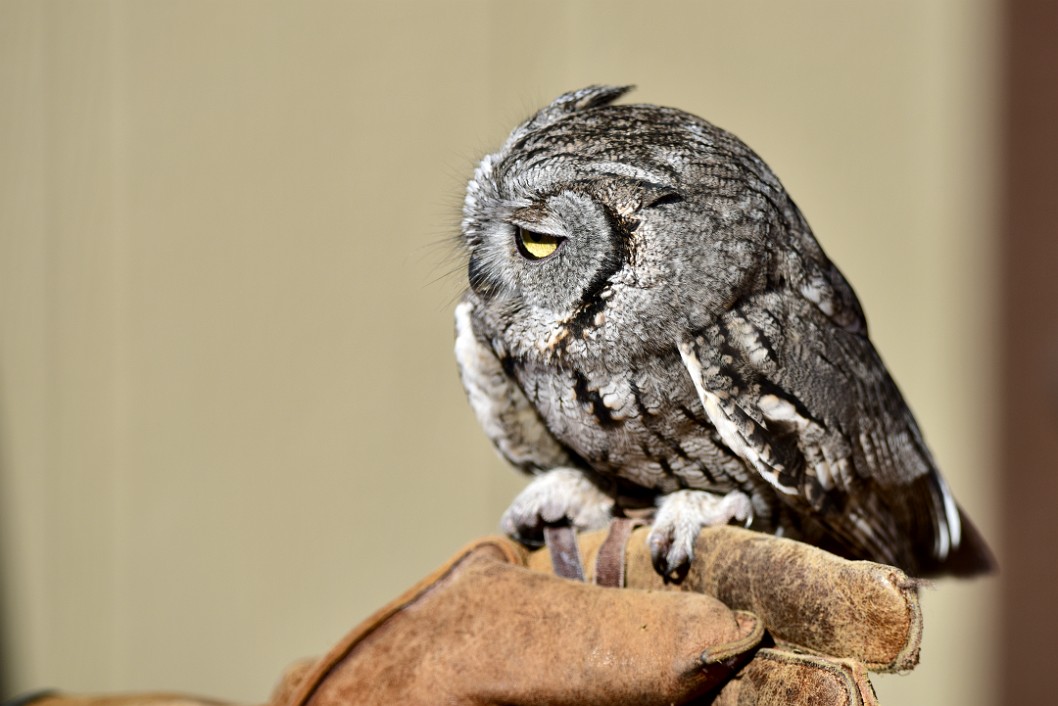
{"x":808,"y":598}
{"x":779,"y":677}
{"x":484,"y":630}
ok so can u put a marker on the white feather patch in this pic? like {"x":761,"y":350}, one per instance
{"x":481,"y":373}
{"x":950,"y":534}
{"x":776,"y":409}
{"x":726,"y":427}
{"x":617,"y":397}
{"x":507,"y":417}
{"x":817,"y":290}
{"x":750,"y":339}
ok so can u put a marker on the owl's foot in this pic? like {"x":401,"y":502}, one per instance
{"x":681,"y":516}
{"x":561,"y":494}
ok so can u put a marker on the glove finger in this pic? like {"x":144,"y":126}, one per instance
{"x":809,"y":597}
{"x":804,"y":595}
{"x":778,"y":678}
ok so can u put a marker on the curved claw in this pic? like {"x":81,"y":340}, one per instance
{"x":670,"y":555}
{"x":681,"y":516}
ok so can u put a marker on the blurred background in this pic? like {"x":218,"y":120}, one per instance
{"x":230,"y":420}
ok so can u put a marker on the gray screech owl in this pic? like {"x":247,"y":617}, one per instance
{"x":650,"y":322}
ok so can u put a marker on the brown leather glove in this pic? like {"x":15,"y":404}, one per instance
{"x":485,"y":630}
{"x":830,"y":619}
{"x":497,"y":634}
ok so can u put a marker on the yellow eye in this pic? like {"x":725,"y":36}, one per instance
{"x":536,"y":246}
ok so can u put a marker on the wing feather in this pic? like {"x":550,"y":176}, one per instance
{"x":818,"y":417}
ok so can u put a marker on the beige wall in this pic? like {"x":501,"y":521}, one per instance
{"x":230,"y":424}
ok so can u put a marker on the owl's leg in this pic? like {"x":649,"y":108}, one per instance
{"x":553,"y":496}
{"x":682,"y":515}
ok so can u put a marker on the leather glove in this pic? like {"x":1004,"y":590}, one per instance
{"x":830,"y":619}
{"x":483,"y":629}
{"x":499,"y":635}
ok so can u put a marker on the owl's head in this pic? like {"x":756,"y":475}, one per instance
{"x":594,"y":216}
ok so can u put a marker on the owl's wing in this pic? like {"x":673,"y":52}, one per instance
{"x":810,"y":406}
{"x":502,"y":409}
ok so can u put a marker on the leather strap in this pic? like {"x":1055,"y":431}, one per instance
{"x":610,"y":561}
{"x":562,"y":545}
{"x":565,"y":555}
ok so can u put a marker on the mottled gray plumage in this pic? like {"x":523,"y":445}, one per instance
{"x":651,"y":321}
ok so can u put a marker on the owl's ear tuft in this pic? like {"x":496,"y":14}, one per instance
{"x":567,"y":103}
{"x":584,"y":98}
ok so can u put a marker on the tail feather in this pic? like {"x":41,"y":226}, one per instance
{"x":971,"y":557}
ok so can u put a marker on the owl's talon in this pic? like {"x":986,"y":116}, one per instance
{"x":681,"y":516}
{"x":556,"y":496}
{"x":670,"y":559}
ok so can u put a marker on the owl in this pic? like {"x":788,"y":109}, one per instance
{"x":650,"y":326}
